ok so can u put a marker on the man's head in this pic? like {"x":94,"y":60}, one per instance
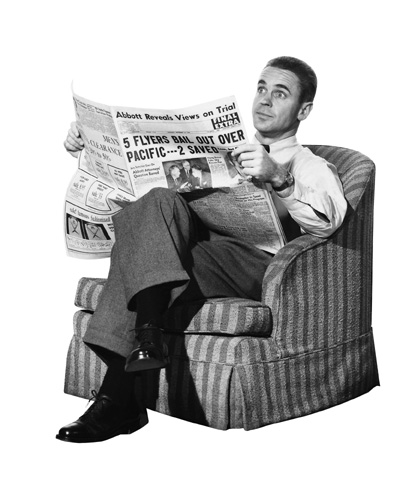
{"x":186,"y":165}
{"x":304,"y":72}
{"x":174,"y":171}
{"x":197,"y":171}
{"x":284,"y":98}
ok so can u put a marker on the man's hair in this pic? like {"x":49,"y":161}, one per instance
{"x":172,"y":167}
{"x":304,"y":72}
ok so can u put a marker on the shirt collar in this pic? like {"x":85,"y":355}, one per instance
{"x":283,"y":150}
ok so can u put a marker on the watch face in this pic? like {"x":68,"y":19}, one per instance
{"x":289,"y":180}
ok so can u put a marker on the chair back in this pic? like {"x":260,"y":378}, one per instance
{"x":356,"y":171}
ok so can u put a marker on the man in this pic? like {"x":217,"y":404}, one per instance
{"x":186,"y":171}
{"x":174,"y":179}
{"x":163,"y":255}
{"x":200,"y":179}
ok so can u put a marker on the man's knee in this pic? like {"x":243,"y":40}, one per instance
{"x":158,"y":198}
{"x":159,"y":194}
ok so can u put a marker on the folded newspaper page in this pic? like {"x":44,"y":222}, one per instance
{"x":129,"y":151}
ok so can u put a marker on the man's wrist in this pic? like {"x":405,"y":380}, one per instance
{"x":286,"y":183}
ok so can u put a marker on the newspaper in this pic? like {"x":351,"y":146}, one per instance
{"x":129,"y":151}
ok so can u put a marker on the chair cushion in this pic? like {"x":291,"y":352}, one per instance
{"x":224,"y":316}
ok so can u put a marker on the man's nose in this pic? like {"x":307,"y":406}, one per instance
{"x":266,"y":100}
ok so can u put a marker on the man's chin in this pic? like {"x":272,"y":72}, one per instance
{"x":262,"y":127}
{"x":262,"y":120}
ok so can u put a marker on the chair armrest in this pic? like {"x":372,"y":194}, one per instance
{"x":278,"y":270}
{"x":320,"y":290}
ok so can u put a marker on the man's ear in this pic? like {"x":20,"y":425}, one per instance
{"x":305,"y":109}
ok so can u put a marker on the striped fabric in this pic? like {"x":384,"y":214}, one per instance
{"x":326,"y":285}
{"x":226,"y":316}
{"x":88,"y":292}
{"x":242,"y":364}
{"x":84,"y":370}
{"x":230,"y":316}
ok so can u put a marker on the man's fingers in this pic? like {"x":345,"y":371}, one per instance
{"x":250,"y":172}
{"x":69,"y":146}
{"x":243,"y":149}
{"x":74,"y":134}
{"x":247,"y":156}
{"x":73,"y":140}
{"x":74,"y":129}
{"x":72,"y":151}
{"x":73,"y":143}
{"x":74,"y":137}
{"x":246,"y":153}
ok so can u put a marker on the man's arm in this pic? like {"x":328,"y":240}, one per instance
{"x":315,"y":198}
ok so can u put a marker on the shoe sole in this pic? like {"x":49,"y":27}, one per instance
{"x":145,"y":364}
{"x":128,"y":428}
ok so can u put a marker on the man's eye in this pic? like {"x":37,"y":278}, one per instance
{"x":279,"y":95}
{"x":261,"y":90}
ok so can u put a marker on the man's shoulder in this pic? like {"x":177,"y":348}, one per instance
{"x":305,"y":155}
{"x":306,"y":165}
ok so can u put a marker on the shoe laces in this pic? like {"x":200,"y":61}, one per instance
{"x":148,"y":333}
{"x":150,"y":336}
{"x":96,"y":398}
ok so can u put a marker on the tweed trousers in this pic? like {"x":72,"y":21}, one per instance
{"x":159,"y":240}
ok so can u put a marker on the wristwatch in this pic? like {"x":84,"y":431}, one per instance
{"x":288,"y":182}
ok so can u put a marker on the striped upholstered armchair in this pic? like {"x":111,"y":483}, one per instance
{"x":308,"y":345}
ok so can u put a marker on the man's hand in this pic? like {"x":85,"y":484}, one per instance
{"x":73,"y":143}
{"x":185,"y":187}
{"x":257,"y":162}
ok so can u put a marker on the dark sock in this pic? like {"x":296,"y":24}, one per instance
{"x":117,"y":384}
{"x":151,"y":303}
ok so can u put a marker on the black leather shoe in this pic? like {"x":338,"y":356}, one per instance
{"x":150,"y":353}
{"x":104,"y":419}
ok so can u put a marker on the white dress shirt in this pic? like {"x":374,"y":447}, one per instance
{"x":317,"y":202}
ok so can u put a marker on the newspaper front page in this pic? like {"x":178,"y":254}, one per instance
{"x":129,"y":151}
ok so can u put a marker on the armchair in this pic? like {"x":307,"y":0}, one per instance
{"x":307,"y":346}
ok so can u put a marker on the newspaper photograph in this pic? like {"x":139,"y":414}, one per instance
{"x":129,"y":151}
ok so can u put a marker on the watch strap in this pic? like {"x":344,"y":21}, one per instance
{"x":288,"y":182}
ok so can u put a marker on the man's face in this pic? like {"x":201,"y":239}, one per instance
{"x":186,"y":165}
{"x":175,"y":172}
{"x":276,"y":106}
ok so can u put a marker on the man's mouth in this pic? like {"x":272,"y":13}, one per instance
{"x":263,"y":114}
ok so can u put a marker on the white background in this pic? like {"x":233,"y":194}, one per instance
{"x":171,"y":55}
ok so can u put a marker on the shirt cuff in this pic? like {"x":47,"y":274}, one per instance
{"x":303,"y":195}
